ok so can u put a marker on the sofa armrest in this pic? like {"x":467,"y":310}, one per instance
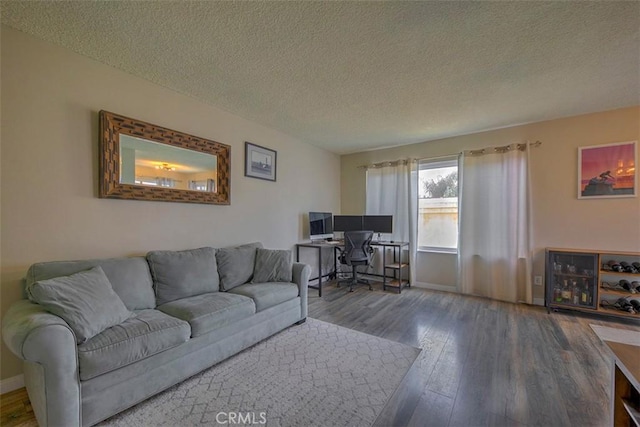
{"x":301,"y":273}
{"x":21,"y":320}
{"x":47,"y":345}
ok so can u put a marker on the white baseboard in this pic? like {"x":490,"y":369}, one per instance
{"x":435,"y":287}
{"x":445,"y":288}
{"x":10,"y":384}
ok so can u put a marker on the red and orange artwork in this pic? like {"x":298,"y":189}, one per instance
{"x":608,"y":170}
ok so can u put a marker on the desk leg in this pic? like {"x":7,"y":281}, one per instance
{"x":384,"y":268}
{"x":397,"y":274}
{"x":319,"y":265}
{"x":319,"y":272}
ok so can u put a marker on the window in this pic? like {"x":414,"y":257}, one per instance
{"x":438,"y":205}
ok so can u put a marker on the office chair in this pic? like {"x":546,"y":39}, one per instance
{"x":357,"y":251}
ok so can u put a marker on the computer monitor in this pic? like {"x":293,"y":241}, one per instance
{"x":378,"y":223}
{"x":347,"y":223}
{"x":320,"y":225}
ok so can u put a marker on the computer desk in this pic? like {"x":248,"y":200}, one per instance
{"x":397,"y":266}
{"x":319,"y":246}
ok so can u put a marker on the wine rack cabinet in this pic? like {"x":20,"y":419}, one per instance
{"x":601,"y":282}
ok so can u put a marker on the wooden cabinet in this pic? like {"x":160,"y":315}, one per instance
{"x":603,"y":282}
{"x":625,"y":399}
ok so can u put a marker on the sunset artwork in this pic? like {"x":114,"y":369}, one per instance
{"x":607,"y":170}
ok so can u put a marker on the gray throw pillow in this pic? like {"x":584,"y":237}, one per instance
{"x":272,"y":266}
{"x":235,"y":264}
{"x":85,"y":300}
{"x":182,"y":274}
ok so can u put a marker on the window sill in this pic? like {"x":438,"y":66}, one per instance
{"x":439,"y":251}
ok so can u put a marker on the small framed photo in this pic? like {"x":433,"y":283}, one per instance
{"x":608,"y":171}
{"x":259,"y":162}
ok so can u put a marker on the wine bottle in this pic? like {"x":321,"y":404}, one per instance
{"x":628,"y":268}
{"x":566,"y":292}
{"x":575,"y":293}
{"x":557,"y":292}
{"x":584,"y":295}
{"x":627,"y":286}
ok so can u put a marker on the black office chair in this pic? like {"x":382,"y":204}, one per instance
{"x":357,"y":251}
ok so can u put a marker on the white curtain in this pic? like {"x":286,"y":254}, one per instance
{"x":393,"y":190}
{"x":495,"y":230}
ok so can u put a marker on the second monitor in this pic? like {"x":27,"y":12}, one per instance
{"x":347,"y":223}
{"x":378,"y":223}
{"x":375,"y":223}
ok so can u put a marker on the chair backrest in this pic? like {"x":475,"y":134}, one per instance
{"x":357,"y":247}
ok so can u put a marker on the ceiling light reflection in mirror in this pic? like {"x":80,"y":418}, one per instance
{"x":143,"y":162}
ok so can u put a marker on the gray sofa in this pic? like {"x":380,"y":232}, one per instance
{"x":174,"y":314}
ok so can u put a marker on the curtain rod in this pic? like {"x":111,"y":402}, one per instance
{"x":488,"y":150}
{"x":388,"y":163}
{"x":503,"y":148}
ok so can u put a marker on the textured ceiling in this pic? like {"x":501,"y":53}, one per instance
{"x":351,"y":76}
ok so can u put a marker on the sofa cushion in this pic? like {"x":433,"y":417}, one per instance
{"x":207,"y":312}
{"x":266,"y":295}
{"x":272,"y":266}
{"x":85,"y":300}
{"x":129,"y":277}
{"x":150,"y":332}
{"x":235,"y":264}
{"x":182,"y":274}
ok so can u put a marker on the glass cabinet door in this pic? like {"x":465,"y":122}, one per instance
{"x":571,"y":279}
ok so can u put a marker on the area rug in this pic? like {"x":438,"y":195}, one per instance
{"x":624,"y":336}
{"x":314,"y":374}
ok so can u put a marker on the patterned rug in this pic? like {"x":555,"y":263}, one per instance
{"x":315,"y":374}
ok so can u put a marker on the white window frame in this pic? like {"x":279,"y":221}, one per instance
{"x":436,"y":163}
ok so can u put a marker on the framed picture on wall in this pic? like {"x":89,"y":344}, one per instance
{"x":608,"y":171}
{"x":259,"y":162}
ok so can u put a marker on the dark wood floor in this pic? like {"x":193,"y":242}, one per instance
{"x":483,"y":362}
{"x":16,"y":410}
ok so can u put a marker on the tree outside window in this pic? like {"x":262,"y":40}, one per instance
{"x":438,"y":205}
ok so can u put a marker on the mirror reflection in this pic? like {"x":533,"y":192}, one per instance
{"x":148,"y":163}
{"x":142,"y":161}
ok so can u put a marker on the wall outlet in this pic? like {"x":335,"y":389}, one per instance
{"x":537,"y":280}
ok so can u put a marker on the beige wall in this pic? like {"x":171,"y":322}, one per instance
{"x":560,"y":219}
{"x":49,"y":204}
{"x":48,"y":181}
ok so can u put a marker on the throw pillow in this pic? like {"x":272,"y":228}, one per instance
{"x":272,"y":266}
{"x":235,"y":264}
{"x":85,"y":300}
{"x":182,"y":274}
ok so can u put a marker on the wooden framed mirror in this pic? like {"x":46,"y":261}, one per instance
{"x":141,"y":161}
